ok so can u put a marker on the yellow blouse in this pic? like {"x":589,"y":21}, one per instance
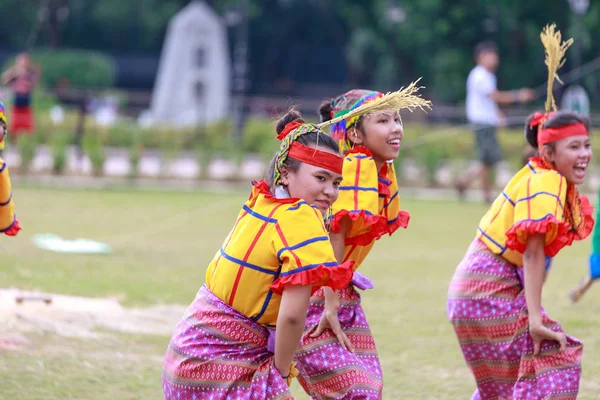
{"x":8,"y":220}
{"x":534,"y":202}
{"x":274,"y":242}
{"x":370,"y":198}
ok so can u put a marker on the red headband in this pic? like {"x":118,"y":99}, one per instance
{"x":318,"y":158}
{"x":549,"y":135}
{"x":288,"y":128}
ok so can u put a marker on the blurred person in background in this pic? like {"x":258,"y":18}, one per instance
{"x":22,"y":77}
{"x":483,"y":113}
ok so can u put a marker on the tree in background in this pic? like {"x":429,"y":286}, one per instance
{"x":366,"y":43}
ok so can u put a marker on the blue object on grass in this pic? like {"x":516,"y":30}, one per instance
{"x":595,"y":266}
{"x":51,"y":242}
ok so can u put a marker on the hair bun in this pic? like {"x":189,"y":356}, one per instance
{"x":292,"y":115}
{"x":531,"y":129}
{"x":325,"y":110}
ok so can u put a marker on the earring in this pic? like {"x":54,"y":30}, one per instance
{"x":328,"y":219}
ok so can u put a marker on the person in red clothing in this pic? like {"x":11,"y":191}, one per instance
{"x":23,"y":77}
{"x":9,"y":225}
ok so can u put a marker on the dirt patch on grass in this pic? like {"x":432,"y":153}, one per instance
{"x":78,"y":317}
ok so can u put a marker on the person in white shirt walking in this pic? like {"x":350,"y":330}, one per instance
{"x":483,"y":113}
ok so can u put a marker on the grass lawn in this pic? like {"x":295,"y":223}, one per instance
{"x":162,"y":242}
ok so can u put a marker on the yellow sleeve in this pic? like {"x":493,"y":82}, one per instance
{"x":539,"y":209}
{"x":7,"y":209}
{"x":358,"y":196}
{"x":305,"y":253}
{"x":359,"y":188}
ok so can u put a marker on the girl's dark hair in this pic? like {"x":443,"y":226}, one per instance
{"x":311,"y":139}
{"x":558,"y":119}
{"x":325,"y":110}
{"x":484,"y":47}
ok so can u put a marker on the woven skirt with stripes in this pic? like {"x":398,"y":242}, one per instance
{"x":327,"y":371}
{"x":218,"y":353}
{"x":486,"y":305}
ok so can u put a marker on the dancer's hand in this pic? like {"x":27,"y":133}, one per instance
{"x":539,"y":332}
{"x":330,"y":320}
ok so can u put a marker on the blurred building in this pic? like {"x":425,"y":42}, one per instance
{"x":194,"y":74}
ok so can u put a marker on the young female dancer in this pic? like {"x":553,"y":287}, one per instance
{"x":337,"y":358}
{"x":262,"y":277}
{"x":514,"y":349}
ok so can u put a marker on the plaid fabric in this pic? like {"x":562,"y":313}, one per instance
{"x":273,"y":242}
{"x":537,"y":200}
{"x":370,"y":199}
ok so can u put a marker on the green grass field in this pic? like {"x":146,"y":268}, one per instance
{"x":162,"y":242}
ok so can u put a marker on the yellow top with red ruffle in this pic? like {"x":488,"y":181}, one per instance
{"x":9,"y":225}
{"x":537,"y":200}
{"x":274,"y":242}
{"x":370,"y":198}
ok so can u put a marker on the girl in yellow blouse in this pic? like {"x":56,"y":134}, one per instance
{"x":513,"y":348}
{"x":9,"y":225}
{"x":276,"y":255}
{"x":337,"y":358}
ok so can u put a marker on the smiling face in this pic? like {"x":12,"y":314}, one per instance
{"x":381,"y":133}
{"x":570,"y":156}
{"x":316,"y":185}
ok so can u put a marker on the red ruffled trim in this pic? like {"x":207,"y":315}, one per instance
{"x":565,"y":236}
{"x":401,"y":222}
{"x":378,"y":223}
{"x":337,"y":277}
{"x":375,"y":221}
{"x":14,"y":229}
{"x":263,"y":188}
{"x":377,"y":232}
{"x":383,"y":188}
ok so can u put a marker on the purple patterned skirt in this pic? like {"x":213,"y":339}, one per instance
{"x":218,"y":353}
{"x":327,"y":371}
{"x":486,"y":305}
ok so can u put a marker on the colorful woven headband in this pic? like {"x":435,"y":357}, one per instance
{"x":549,"y":135}
{"x":344,"y":104}
{"x":291,"y":148}
{"x":2,"y":113}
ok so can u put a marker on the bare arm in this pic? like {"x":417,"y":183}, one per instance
{"x":512,"y":96}
{"x":503,"y":97}
{"x":290,"y":325}
{"x":534,"y":262}
{"x":329,"y":319}
{"x":7,"y":76}
{"x":338,"y":242}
